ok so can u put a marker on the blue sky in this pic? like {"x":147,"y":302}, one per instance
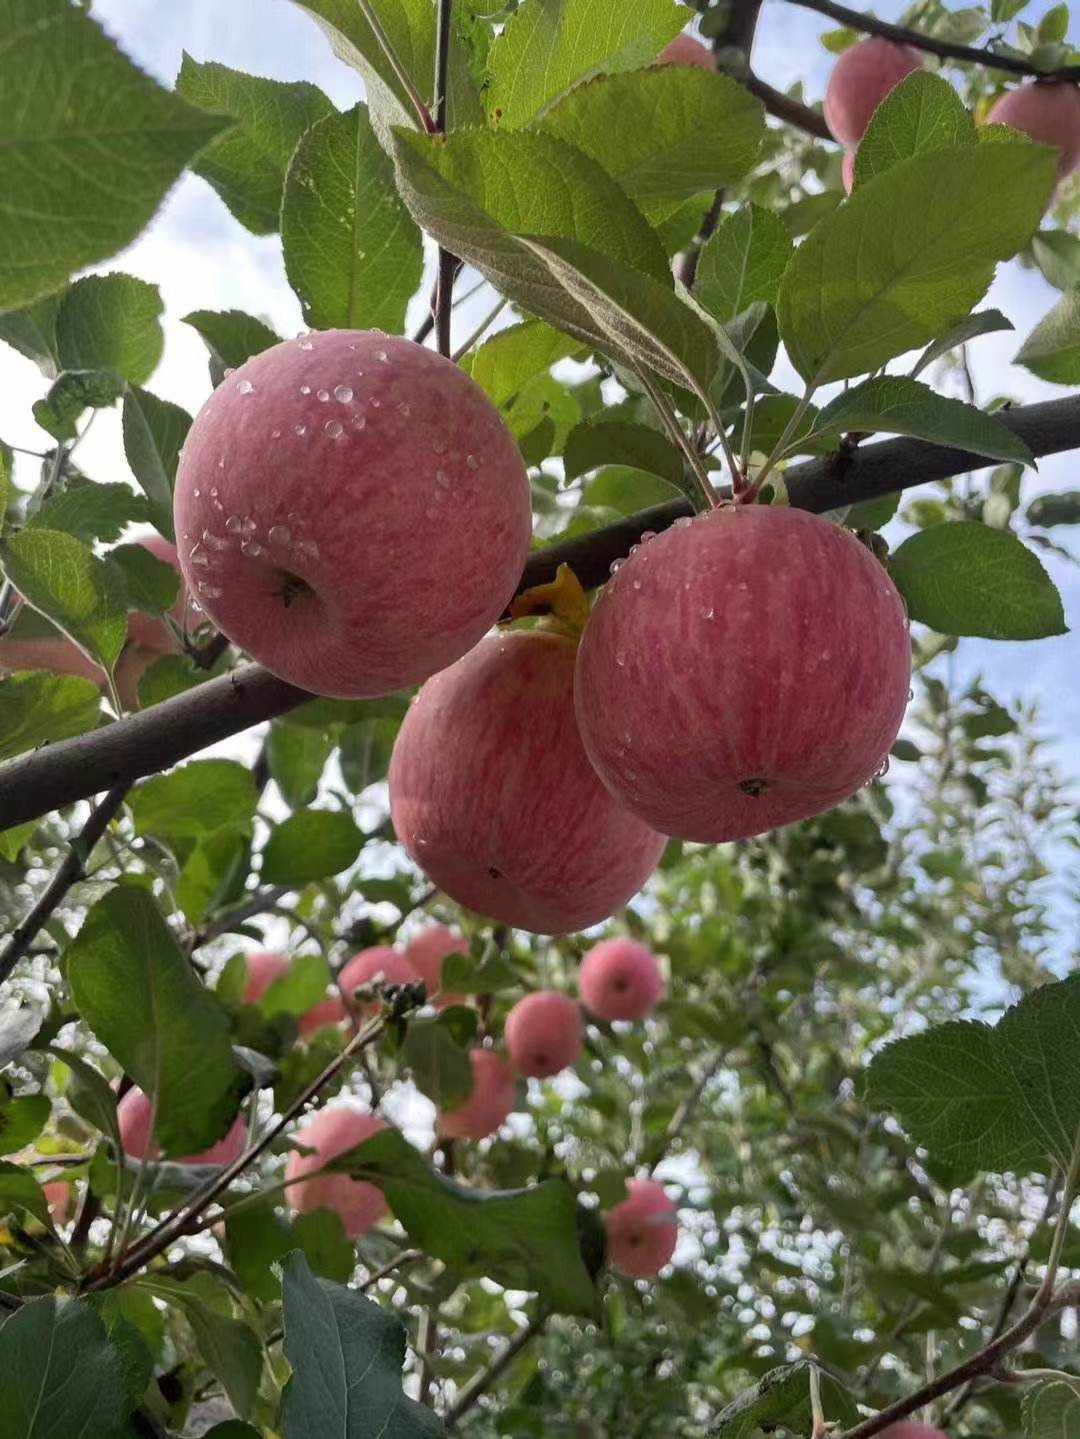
{"x":202,"y":258}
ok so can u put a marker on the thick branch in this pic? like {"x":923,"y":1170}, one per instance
{"x":945,"y":49}
{"x":785,"y":108}
{"x":144,"y":743}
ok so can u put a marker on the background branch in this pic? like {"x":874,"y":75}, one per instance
{"x":57,"y":775}
{"x":483,"y":1381}
{"x":788,"y":109}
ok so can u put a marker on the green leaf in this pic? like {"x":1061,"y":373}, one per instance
{"x":32,"y":331}
{"x":545,"y":48}
{"x":364,"y":751}
{"x":898,"y":405}
{"x":873,"y":514}
{"x":247,"y":166}
{"x":523,"y":1239}
{"x":346,"y":1354}
{"x":232,"y":337}
{"x":75,"y":391}
{"x":1056,"y":252}
{"x":983,"y":322}
{"x":462,"y":973}
{"x":297,"y":758}
{"x":231,"y":1348}
{"x":299,"y":989}
{"x":922,"y":113}
{"x":154,"y":434}
{"x":665,"y":134}
{"x":91,"y":146}
{"x":5,"y":483}
{"x":440,"y":1066}
{"x":89,"y":1094}
{"x":62,"y":1377}
{"x":91,"y":511}
{"x":513,"y":357}
{"x":620,"y":442}
{"x":742,"y":262}
{"x":37,"y":708}
{"x":114,"y":1309}
{"x":1052,"y":350}
{"x":908,"y":255}
{"x":150,"y":584}
{"x":1061,"y":509}
{"x":63,"y":580}
{"x":1051,"y":1410}
{"x":328,"y":1249}
{"x":256,"y":1238}
{"x":781,"y":1398}
{"x":12,"y":843}
{"x":171,"y":675}
{"x":198,"y":799}
{"x":993,"y":1098}
{"x":21,"y":1119}
{"x":626,"y":490}
{"x":21,"y":1193}
{"x":213,"y":873}
{"x":352,"y":252}
{"x":964,"y":578}
{"x":110,"y":322}
{"x":139,"y":995}
{"x":311,"y":844}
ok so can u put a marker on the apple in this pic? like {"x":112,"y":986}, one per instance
{"x":426,"y":952}
{"x":351,"y":510}
{"x":847,"y":171}
{"x":860,"y":80}
{"x":55,"y":653}
{"x":1048,"y":111}
{"x":906,"y":1430}
{"x":687,"y":50}
{"x":642,"y":1229}
{"x":379,"y":962}
{"x":263,"y":968}
{"x":744,"y":669}
{"x":494,"y":1094}
{"x":543,"y":1034}
{"x":328,"y":1011}
{"x":134,"y":1113}
{"x":329,"y":1133}
{"x":491,"y":792}
{"x":620,"y":979}
{"x":58,"y":1197}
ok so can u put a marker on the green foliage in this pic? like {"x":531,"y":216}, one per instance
{"x":742,"y":263}
{"x":74,"y":392}
{"x":230,"y":1347}
{"x":1052,"y":350}
{"x":922,"y":113}
{"x":231,"y":337}
{"x":38,"y":707}
{"x":618,"y":442}
{"x":782,"y":1396}
{"x":196,"y":800}
{"x":150,"y":584}
{"x":63,"y":1378}
{"x":439,"y":1064}
{"x":1051,"y":1409}
{"x":91,"y":512}
{"x":154,"y":434}
{"x":311,"y":844}
{"x":66,"y":582}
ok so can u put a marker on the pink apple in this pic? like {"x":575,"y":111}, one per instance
{"x":426,"y":952}
{"x":494,"y":1094}
{"x":492,"y":794}
{"x":58,"y":1197}
{"x":847,"y":171}
{"x":329,"y":1133}
{"x":686,"y":50}
{"x":134,"y":1113}
{"x":860,"y":80}
{"x":263,"y":968}
{"x":642,"y":1231}
{"x":328,"y":1011}
{"x":620,"y":979}
{"x":543,"y":1034}
{"x":352,"y":511}
{"x":55,"y":653}
{"x":1047,"y":111}
{"x":906,"y":1430}
{"x":764,"y":647}
{"x":380,"y":962}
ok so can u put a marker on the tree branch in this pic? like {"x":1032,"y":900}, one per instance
{"x":57,"y":775}
{"x":784,"y":107}
{"x":483,"y":1381}
{"x":448,"y":264}
{"x":945,"y":49}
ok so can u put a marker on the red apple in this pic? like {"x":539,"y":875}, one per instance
{"x":494,"y":1094}
{"x":620,"y":979}
{"x":58,"y":1197}
{"x":687,"y":50}
{"x":642,"y":1230}
{"x":492,"y":794}
{"x":330,"y":1133}
{"x":55,"y":653}
{"x":543,"y":1034}
{"x":743,"y":670}
{"x":134,"y":1113}
{"x":379,"y":962}
{"x":328,"y":1011}
{"x":860,"y":80}
{"x":426,"y":952}
{"x":1048,"y":111}
{"x":352,"y":511}
{"x":263,"y":968}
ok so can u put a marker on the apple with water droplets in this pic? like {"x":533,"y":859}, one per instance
{"x":329,"y":505}
{"x":543,"y":1034}
{"x":329,"y":1133}
{"x":860,"y":80}
{"x":744,"y":669}
{"x":491,"y":792}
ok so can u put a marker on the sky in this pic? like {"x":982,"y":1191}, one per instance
{"x":202,"y":258}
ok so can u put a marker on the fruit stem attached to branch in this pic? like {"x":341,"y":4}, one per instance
{"x":678,"y":435}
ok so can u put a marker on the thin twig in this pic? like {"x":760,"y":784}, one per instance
{"x":393,"y":60}
{"x":688,"y":1107}
{"x":480,"y":1383}
{"x":259,"y":902}
{"x":481,"y":329}
{"x":448,"y":264}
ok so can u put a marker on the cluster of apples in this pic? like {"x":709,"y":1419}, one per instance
{"x":1046,"y":110}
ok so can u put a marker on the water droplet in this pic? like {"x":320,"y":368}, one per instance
{"x":403,"y":408}
{"x":359,"y":422}
{"x":682,"y":522}
{"x":343,"y":393}
{"x":210,"y":592}
{"x":215,"y":542}
{"x":229,"y":371}
{"x":647,"y":535}
{"x":910,"y":695}
{"x":299,"y":431}
{"x":442,"y":479}
{"x":279,"y":535}
{"x":244,"y":387}
{"x":233,"y":524}
{"x":615,"y":567}
{"x":375,"y":402}
{"x":472,"y":462}
{"x":620,"y":659}
{"x":708,"y":612}
{"x":196,"y":493}
{"x":275,"y":434}
{"x":221,"y":463}
{"x":637,"y":584}
{"x":251,"y":549}
{"x":882,"y":769}
{"x":304,"y":344}
{"x":199,"y":557}
{"x":309,"y":548}
{"x":332,"y":429}
{"x":305,"y":389}
{"x":323,"y":395}
{"x":439,"y":446}
{"x":634,"y":549}
{"x":381,"y":356}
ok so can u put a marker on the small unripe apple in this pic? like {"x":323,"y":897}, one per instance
{"x":543,"y":1034}
{"x":741,"y":671}
{"x":426,"y":952}
{"x":133,"y":1115}
{"x":263,"y":968}
{"x":642,"y":1230}
{"x":620,"y":979}
{"x":687,"y":50}
{"x":351,"y":510}
{"x":1047,"y":111}
{"x":330,"y":1133}
{"x":494,"y":1094}
{"x":492,"y":794}
{"x":860,"y":80}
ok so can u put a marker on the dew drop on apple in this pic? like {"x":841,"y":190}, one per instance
{"x":233,"y":524}
{"x":305,"y":389}
{"x":279,"y":535}
{"x":343,"y":394}
{"x":199,"y":557}
{"x":244,"y":387}
{"x":299,"y":431}
{"x":252,"y":549}
{"x":333,"y":429}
